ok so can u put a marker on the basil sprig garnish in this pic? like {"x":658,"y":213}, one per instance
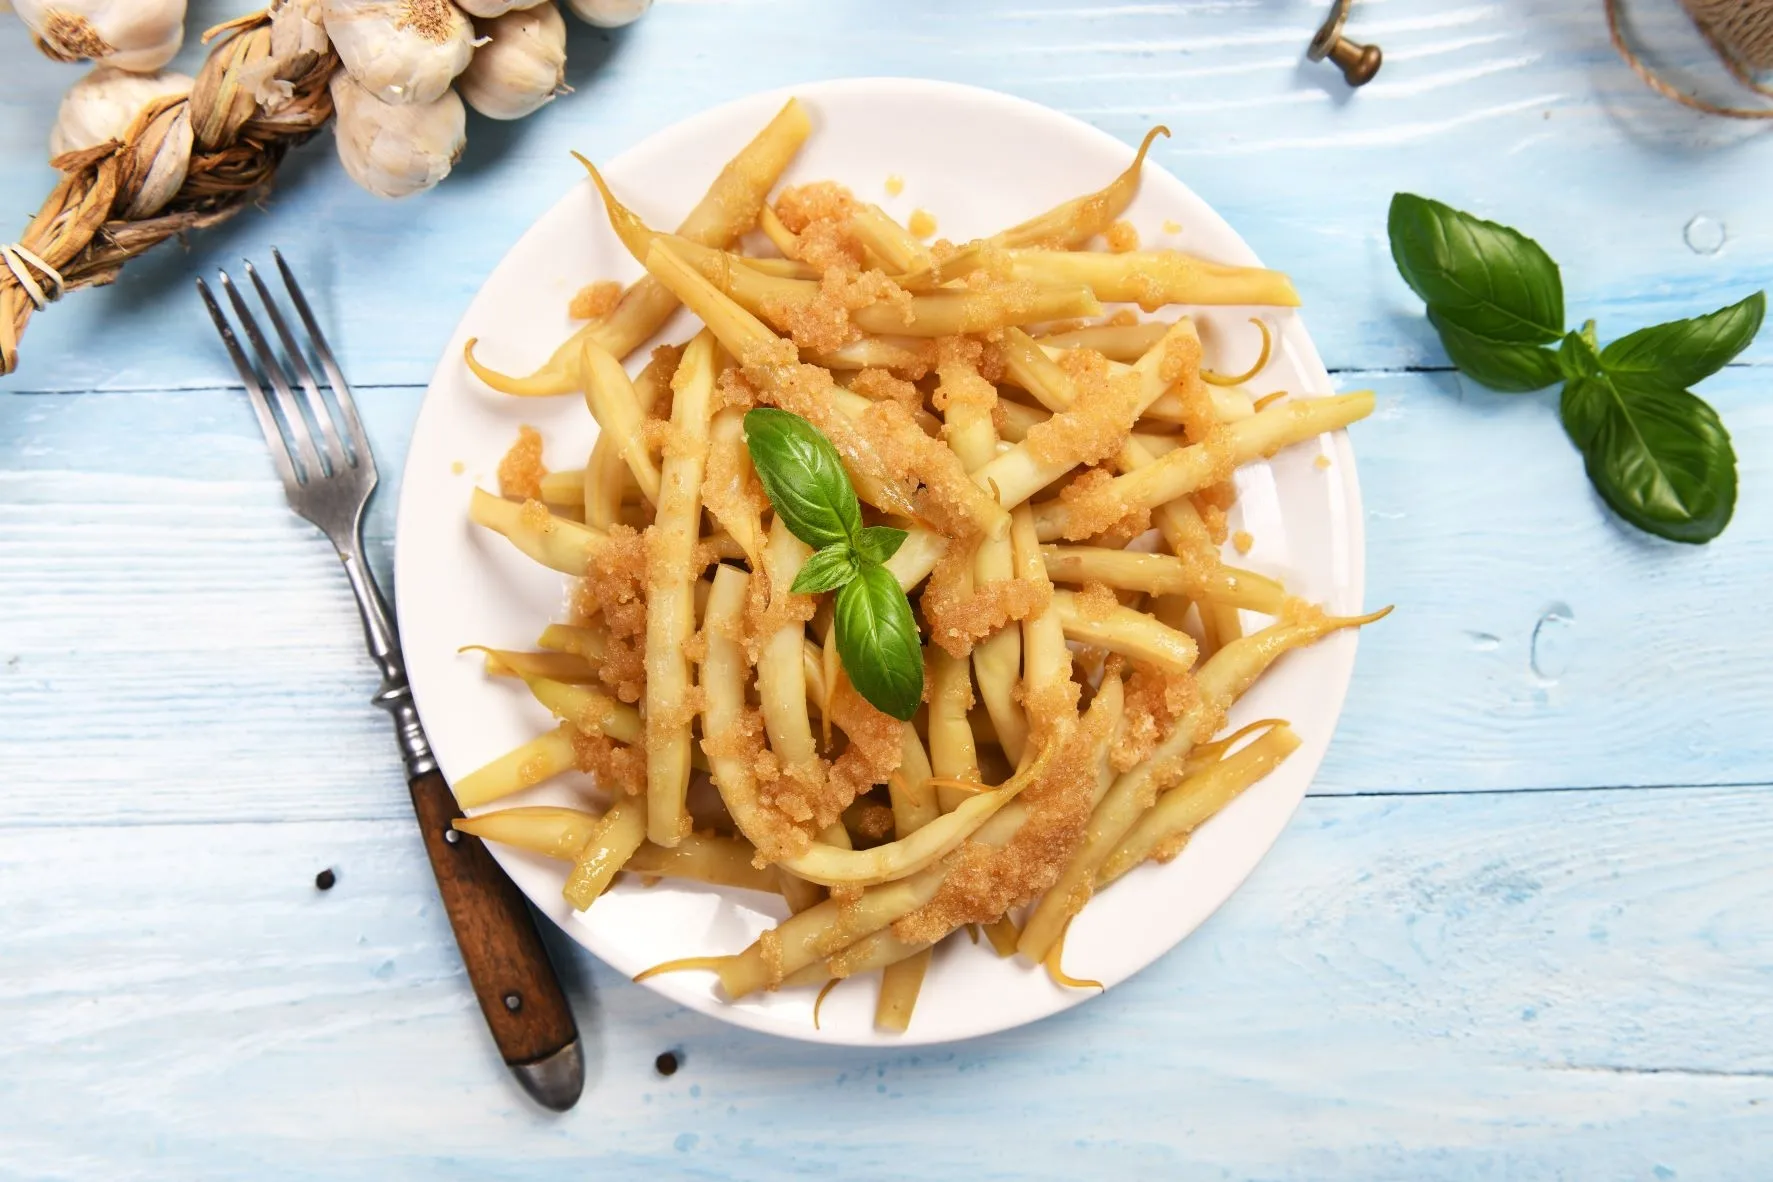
{"x":877,"y":638}
{"x":1655,"y":451}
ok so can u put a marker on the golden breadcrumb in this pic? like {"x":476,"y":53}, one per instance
{"x":943,"y":490}
{"x":960,"y":370}
{"x":1095,"y":601}
{"x":819,"y":216}
{"x":823,"y":321}
{"x":615,"y":765}
{"x":521,"y":471}
{"x":985,"y":883}
{"x":1100,"y":420}
{"x":1214,"y":503}
{"x":1122,"y":237}
{"x":614,"y":590}
{"x":595,"y":300}
{"x":880,"y":385}
{"x":1094,"y":508}
{"x":800,"y":206}
{"x":960,"y":614}
{"x":1155,"y":699}
{"x":732,"y":388}
{"x":874,"y":750}
{"x":922,"y":223}
{"x":1242,"y":541}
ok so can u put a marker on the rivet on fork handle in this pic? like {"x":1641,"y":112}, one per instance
{"x":1357,"y":62}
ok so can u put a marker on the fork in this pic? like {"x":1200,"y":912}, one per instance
{"x":329,"y":483}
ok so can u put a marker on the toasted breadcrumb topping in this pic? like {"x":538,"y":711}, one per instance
{"x":521,"y":471}
{"x":1122,"y":237}
{"x":595,"y":300}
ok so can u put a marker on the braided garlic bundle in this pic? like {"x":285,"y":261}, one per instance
{"x":143,"y":160}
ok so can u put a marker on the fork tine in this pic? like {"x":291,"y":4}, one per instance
{"x":340,"y":389}
{"x":286,"y":403}
{"x":335,"y":451}
{"x":260,"y":407}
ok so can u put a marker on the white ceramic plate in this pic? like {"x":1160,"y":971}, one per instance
{"x":458,"y":585}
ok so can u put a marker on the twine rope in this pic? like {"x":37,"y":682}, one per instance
{"x":19,"y":260}
{"x":1740,"y":32}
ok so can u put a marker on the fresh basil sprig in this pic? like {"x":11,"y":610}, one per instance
{"x":1656,"y":452}
{"x":877,"y":637}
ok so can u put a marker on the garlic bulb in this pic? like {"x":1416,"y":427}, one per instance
{"x":490,"y":8}
{"x":609,"y":14}
{"x":105,"y":105}
{"x":102,"y":105}
{"x":136,"y":35}
{"x":402,"y":51}
{"x":520,"y":67}
{"x":396,"y":149}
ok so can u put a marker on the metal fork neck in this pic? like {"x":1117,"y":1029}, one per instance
{"x":395,"y":694}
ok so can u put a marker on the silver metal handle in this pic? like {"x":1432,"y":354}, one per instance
{"x":395,"y":694}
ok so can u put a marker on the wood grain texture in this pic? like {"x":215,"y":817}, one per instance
{"x":1517,"y":109}
{"x":1436,"y":974}
{"x":1489,"y":986}
{"x":502,"y":953}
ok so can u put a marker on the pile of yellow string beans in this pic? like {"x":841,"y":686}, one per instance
{"x":847,"y":885}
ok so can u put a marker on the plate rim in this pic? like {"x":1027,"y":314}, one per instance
{"x":1342,"y":648}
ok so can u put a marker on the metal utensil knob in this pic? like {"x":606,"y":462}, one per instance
{"x":1357,"y":62}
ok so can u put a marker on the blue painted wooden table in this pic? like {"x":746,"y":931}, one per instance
{"x":1522,"y":928}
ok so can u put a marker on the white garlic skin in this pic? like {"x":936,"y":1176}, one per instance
{"x":401,"y":51}
{"x":609,"y":14}
{"x":397,"y":149}
{"x":102,"y":105}
{"x":486,"y":9}
{"x":522,"y":65}
{"x":297,"y":26}
{"x":135,"y":35}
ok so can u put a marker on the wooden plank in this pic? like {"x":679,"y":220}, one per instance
{"x":1523,"y":115}
{"x":167,"y":624}
{"x":1538,"y":641}
{"x":1495,"y":985}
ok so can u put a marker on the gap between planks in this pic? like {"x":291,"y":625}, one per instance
{"x":1331,"y":797}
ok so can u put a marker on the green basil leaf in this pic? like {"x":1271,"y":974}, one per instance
{"x":877,"y":639}
{"x":1657,"y":454}
{"x":878,"y":543}
{"x":826,"y":570}
{"x":1577,"y":358}
{"x":1485,"y":278}
{"x":1500,"y":365}
{"x":803,"y":476}
{"x":1685,"y":352}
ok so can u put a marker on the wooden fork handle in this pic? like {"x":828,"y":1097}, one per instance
{"x":508,"y":966}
